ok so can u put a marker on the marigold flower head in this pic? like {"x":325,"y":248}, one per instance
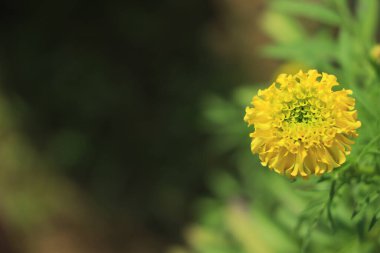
{"x":302,"y":127}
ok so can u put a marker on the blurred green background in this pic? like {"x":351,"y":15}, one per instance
{"x":121,"y":126}
{"x":104,"y":145}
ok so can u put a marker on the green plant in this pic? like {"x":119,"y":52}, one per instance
{"x":255,"y":210}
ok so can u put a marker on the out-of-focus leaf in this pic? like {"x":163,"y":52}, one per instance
{"x":290,"y":67}
{"x":315,"y":11}
{"x":224,"y":185}
{"x":218,"y":110}
{"x":368,"y":19}
{"x":211,"y":213}
{"x":346,"y":56}
{"x":243,"y":95}
{"x":373,"y":221}
{"x":255,"y":231}
{"x":315,"y":52}
{"x":206,"y":240}
{"x":281,"y":28}
{"x":354,"y":213}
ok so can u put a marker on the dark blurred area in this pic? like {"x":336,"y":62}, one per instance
{"x":109,"y":92}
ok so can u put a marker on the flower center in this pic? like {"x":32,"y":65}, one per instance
{"x":302,"y":111}
{"x":303,"y":121}
{"x":300,"y":114}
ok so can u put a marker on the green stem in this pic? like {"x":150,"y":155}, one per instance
{"x":367,"y":147}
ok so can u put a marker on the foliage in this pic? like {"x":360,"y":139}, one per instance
{"x":254,"y":210}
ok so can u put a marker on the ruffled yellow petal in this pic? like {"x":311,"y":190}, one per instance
{"x":302,"y":127}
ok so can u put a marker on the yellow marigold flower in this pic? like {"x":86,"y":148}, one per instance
{"x":302,"y":127}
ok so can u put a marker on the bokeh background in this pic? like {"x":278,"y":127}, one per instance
{"x":105,"y":146}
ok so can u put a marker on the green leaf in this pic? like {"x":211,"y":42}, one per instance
{"x":314,"y":51}
{"x":305,"y":9}
{"x":373,"y":222}
{"x":367,"y":13}
{"x":355,"y":212}
{"x":282,"y":28}
{"x":225,"y":186}
{"x":218,"y":110}
{"x":372,"y":197}
{"x":242,"y":96}
{"x":323,"y":178}
{"x":348,"y":57}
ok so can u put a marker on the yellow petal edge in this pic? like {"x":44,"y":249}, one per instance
{"x":302,"y":127}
